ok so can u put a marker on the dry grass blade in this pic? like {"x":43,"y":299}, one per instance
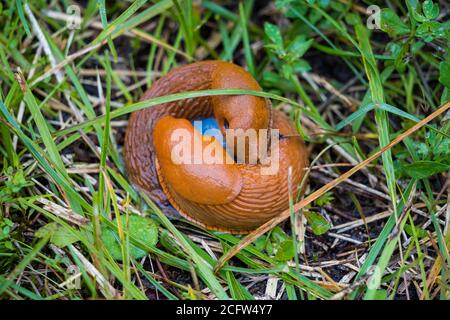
{"x":299,"y":205}
{"x":56,"y":67}
{"x":106,"y":288}
{"x":63,"y":213}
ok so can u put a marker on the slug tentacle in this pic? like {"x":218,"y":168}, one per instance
{"x":218,"y":193}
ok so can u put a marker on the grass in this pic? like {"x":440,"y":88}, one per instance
{"x":371,"y":104}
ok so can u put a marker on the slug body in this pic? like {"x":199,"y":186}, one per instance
{"x":232,"y":195}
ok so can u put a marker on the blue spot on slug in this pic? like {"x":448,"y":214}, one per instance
{"x":209,"y":127}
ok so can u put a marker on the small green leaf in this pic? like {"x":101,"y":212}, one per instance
{"x":278,"y":235}
{"x":9,"y":245}
{"x":424,"y":169}
{"x":380,"y":295}
{"x":260,"y":243}
{"x":274,"y":34}
{"x":422,"y":149}
{"x":430,"y":30}
{"x":47,"y":230}
{"x":324,"y":199}
{"x":287,"y":70}
{"x":8,"y":222}
{"x":317,"y":222}
{"x":5,"y":230}
{"x":58,"y":234}
{"x":285,"y":251}
{"x":352,"y":19}
{"x":301,"y":66}
{"x":140,"y":228}
{"x":436,"y":29}
{"x":414,"y":4}
{"x":392,"y":24}
{"x":299,"y":46}
{"x":410,"y":230}
{"x":62,"y":237}
{"x":430,"y":9}
{"x":444,"y":76}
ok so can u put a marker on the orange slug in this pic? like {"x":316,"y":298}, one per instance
{"x":233,"y":195}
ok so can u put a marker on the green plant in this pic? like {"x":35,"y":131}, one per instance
{"x":287,"y":57}
{"x":13,"y":183}
{"x":6,"y":226}
{"x":65,"y":96}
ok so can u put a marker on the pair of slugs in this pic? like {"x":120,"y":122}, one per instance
{"x":232,"y":196}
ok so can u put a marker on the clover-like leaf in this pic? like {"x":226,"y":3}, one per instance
{"x":430,"y":9}
{"x":59,"y":235}
{"x":285,"y":251}
{"x":416,"y":12}
{"x":140,"y":228}
{"x":317,"y":222}
{"x":392,"y":24}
